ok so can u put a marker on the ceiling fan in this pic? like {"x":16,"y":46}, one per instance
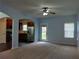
{"x":46,"y":11}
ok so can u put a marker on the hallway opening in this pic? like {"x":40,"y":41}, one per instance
{"x":26,"y":31}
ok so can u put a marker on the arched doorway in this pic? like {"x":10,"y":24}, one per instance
{"x":26,"y":31}
{"x":5,"y":33}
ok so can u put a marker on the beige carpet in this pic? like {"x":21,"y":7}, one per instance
{"x":42,"y":50}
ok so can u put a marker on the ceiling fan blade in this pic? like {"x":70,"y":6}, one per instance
{"x":52,"y":13}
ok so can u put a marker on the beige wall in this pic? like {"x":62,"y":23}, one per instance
{"x":3,"y":30}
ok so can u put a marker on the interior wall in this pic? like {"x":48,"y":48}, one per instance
{"x":55,"y":29}
{"x":77,"y":30}
{"x":37,"y":29}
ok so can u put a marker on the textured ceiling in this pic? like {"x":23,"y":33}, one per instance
{"x":32,"y":7}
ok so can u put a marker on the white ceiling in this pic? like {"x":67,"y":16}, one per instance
{"x":32,"y":7}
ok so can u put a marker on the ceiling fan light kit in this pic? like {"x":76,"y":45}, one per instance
{"x":45,"y":14}
{"x":46,"y":11}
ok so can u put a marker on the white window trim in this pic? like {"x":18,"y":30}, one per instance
{"x":73,"y":33}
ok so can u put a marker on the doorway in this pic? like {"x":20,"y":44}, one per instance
{"x":26,"y":31}
{"x":44,"y":32}
{"x":5,"y":33}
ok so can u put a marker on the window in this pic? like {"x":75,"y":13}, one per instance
{"x":44,"y":32}
{"x":25,"y":27}
{"x":69,"y":30}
